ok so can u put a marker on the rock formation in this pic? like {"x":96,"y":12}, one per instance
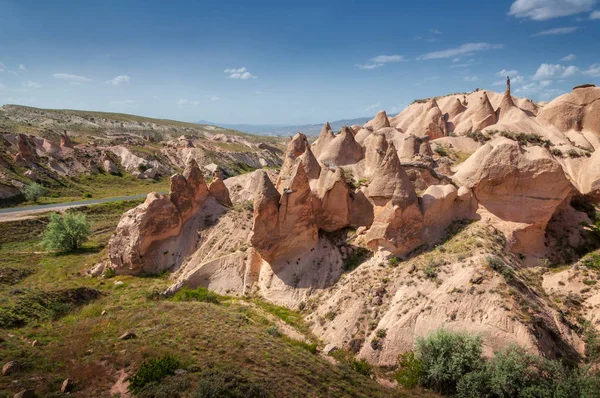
{"x":157,"y":225}
{"x":219,"y":191}
{"x":378,"y":122}
{"x":25,"y":154}
{"x":65,"y":141}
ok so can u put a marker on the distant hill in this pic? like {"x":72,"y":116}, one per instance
{"x":283,"y":130}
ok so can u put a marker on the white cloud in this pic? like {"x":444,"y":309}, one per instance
{"x":239,"y":73}
{"x":466,"y":48}
{"x":214,"y":98}
{"x":240,"y":70}
{"x":184,"y":101}
{"x":30,"y":84}
{"x":122,"y":102}
{"x":554,"y":71}
{"x":507,"y":72}
{"x":387,"y":58}
{"x":570,"y":57}
{"x":556,"y":31}
{"x":367,"y":66}
{"x":541,"y":10}
{"x":471,"y":78}
{"x":22,"y":67}
{"x":118,"y":80}
{"x":2,"y":67}
{"x":456,"y":60}
{"x":545,"y":83}
{"x":435,"y":31}
{"x":593,"y":70}
{"x":595,"y":15}
{"x":379,"y":61}
{"x":71,"y":78}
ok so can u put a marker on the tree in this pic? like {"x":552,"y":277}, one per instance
{"x":66,"y":232}
{"x":34,"y":191}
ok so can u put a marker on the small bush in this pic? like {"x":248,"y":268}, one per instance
{"x":393,"y":261}
{"x":67,"y":232}
{"x":592,"y":261}
{"x":410,"y":370}
{"x":198,"y":294}
{"x":556,"y":152}
{"x":357,"y":257}
{"x":217,"y":383}
{"x":572,"y":153}
{"x":273,"y":331}
{"x":440,"y":150}
{"x":447,"y":357}
{"x":361,"y":366}
{"x":153,"y":371}
{"x":381,"y":333}
{"x":34,"y":191}
{"x":170,"y":387}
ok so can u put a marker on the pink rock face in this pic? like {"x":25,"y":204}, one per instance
{"x":25,"y":154}
{"x":284,"y":225}
{"x":65,"y":141}
{"x":154,"y":220}
{"x":578,"y":110}
{"x":380,"y":121}
{"x":158,"y":219}
{"x":342,"y":150}
{"x":521,"y":189}
{"x":219,"y":191}
{"x":431,"y":123}
{"x":296,"y":148}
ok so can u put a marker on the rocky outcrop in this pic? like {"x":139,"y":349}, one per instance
{"x":219,"y":191}
{"x":341,"y":150}
{"x":397,"y":220}
{"x":158,"y":234}
{"x":325,"y":137}
{"x":431,"y":123}
{"x":578,"y":110}
{"x":288,"y":228}
{"x":519,"y":188}
{"x":378,"y":122}
{"x":65,"y":141}
{"x":25,"y":154}
{"x":477,"y":116}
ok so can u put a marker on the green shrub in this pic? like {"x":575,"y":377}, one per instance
{"x":441,"y":150}
{"x":410,"y":370}
{"x":381,"y":333}
{"x":393,"y":261}
{"x":66,"y":232}
{"x":310,"y":347}
{"x":198,"y":294}
{"x":447,"y":357}
{"x":153,"y":371}
{"x":357,"y":257}
{"x":361,"y":366}
{"x":592,"y":261}
{"x":217,"y":383}
{"x":556,"y":152}
{"x":273,"y":331}
{"x":170,"y":387}
{"x":34,"y":191}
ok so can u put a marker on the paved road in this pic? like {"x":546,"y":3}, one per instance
{"x":20,"y":213}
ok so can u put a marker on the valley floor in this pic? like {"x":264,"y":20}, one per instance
{"x":58,"y":323}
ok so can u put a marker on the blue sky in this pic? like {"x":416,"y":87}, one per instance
{"x":281,"y":62}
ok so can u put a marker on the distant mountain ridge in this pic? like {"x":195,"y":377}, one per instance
{"x":283,"y":129}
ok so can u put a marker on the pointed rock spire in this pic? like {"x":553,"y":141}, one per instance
{"x":311,"y":164}
{"x":391,"y":182}
{"x":342,"y":150}
{"x":379,"y":121}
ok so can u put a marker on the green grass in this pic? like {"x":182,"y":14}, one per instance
{"x":81,"y":341}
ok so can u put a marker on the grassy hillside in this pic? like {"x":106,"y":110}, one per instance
{"x":56,"y":323}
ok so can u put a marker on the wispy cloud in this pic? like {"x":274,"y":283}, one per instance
{"x":239,"y":73}
{"x":214,"y":98}
{"x":554,"y":71}
{"x":570,"y":57}
{"x":541,"y":10}
{"x":22,"y":67}
{"x":71,"y":78}
{"x":556,"y":31}
{"x":373,"y":107}
{"x":471,"y":78}
{"x":593,"y":70}
{"x":379,"y":61}
{"x":595,"y":15}
{"x":30,"y":84}
{"x":118,"y":80}
{"x":184,"y":101}
{"x":435,"y":31}
{"x":507,"y":72}
{"x":466,"y":48}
